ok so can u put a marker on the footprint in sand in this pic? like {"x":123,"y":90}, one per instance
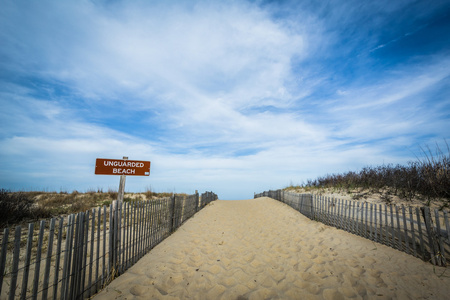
{"x":332,"y":294}
{"x":138,"y":290}
{"x":249,"y":257}
{"x":215,"y":269}
{"x":347,"y":291}
{"x":319,"y":260}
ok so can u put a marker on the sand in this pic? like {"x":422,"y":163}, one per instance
{"x":263,"y":249}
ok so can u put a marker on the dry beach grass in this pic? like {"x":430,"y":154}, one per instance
{"x":263,"y":249}
{"x":26,"y":207}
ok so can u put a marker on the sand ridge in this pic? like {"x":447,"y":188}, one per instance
{"x":263,"y":249}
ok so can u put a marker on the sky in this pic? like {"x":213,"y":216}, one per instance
{"x":234,"y":97}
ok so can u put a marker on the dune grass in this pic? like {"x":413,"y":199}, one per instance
{"x":427,"y":178}
{"x":20,"y":207}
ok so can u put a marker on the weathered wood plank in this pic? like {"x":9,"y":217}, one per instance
{"x":58,"y":258}
{"x":85,"y":239}
{"x":405,"y":229}
{"x":338,"y":215}
{"x":128,"y":227}
{"x":26,"y":270}
{"x":357,"y":219}
{"x":104,"y":268}
{"x":66,"y":263}
{"x":48,"y":259}
{"x":392,"y":227}
{"x":97,"y":261}
{"x":413,"y":233}
{"x":353,"y":218}
{"x":37,"y":267}
{"x":440,"y":239}
{"x":381,"y":240}
{"x":419,"y":226}
{"x":135,"y":220}
{"x":399,"y":231}
{"x":3,"y":256}
{"x":375,"y":225}
{"x":447,"y":226}
{"x":119,"y":237}
{"x":371,"y":222}
{"x":91,"y":255}
{"x":15,"y":264}
{"x":433,"y":250}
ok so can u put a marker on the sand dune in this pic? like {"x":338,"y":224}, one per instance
{"x":263,"y":249}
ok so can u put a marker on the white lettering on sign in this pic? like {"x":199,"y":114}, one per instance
{"x":124,"y":171}
{"x":129,"y":164}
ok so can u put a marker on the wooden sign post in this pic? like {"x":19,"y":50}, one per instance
{"x":122,"y":184}
{"x":122,"y":167}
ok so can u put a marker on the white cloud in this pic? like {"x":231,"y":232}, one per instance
{"x":228,"y":98}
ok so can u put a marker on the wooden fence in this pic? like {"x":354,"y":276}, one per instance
{"x":74,"y":257}
{"x":421,"y":232}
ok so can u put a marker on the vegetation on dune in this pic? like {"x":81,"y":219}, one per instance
{"x":18,"y":207}
{"x":427,"y":178}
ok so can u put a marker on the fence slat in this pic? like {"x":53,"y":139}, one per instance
{"x":58,"y":258}
{"x":104,"y":248}
{"x":357,"y":219}
{"x":91,"y":254}
{"x":133,"y":253}
{"x":433,"y":250}
{"x":148,"y":228}
{"x":371,"y":222}
{"x":366,"y":219}
{"x":111,"y":238}
{"x":392,"y":227}
{"x":441,"y":252}
{"x":85,"y":239}
{"x":128,"y":228}
{"x":69,"y":254}
{"x":119,"y":237}
{"x":97,"y":262}
{"x":375,"y":225}
{"x":413,"y":234}
{"x":447,"y":225}
{"x":153,"y":223}
{"x":405,"y":229}
{"x":399,"y":232}
{"x":141,"y":229}
{"x":38,"y":261}
{"x":419,"y":226}
{"x":48,"y":259}
{"x":353,"y":218}
{"x":381,"y":240}
{"x":65,"y":276}
{"x":3,"y":256}
{"x":15,"y":265}
{"x":26,"y":269}
{"x":76,"y":276}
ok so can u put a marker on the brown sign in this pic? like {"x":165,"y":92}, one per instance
{"x":122,"y":167}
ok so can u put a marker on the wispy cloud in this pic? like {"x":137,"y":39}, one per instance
{"x":232,"y":97}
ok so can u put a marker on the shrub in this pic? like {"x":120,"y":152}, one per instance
{"x":15,"y":207}
{"x":428,"y":178}
{"x":113,"y":194}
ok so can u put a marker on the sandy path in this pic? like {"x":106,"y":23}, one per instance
{"x":263,"y":249}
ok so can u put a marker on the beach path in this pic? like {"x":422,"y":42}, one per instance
{"x":263,"y":249}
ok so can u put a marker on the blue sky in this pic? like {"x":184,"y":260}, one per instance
{"x":235,"y":97}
